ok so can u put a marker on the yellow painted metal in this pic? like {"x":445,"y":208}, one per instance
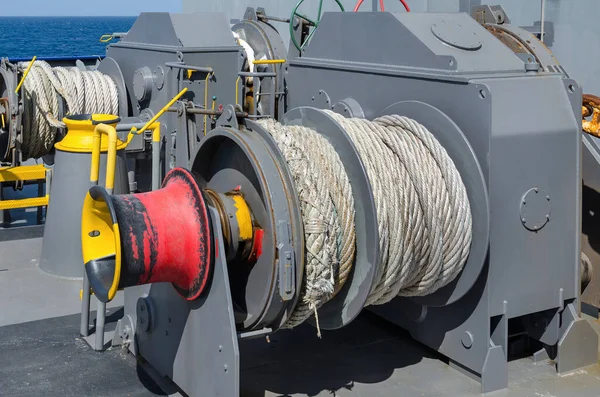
{"x":24,"y":203}
{"x":81,"y":294}
{"x":25,"y":74}
{"x":243,"y":217}
{"x":23,"y":173}
{"x":79,"y":138}
{"x":155,"y":128}
{"x":160,"y":113}
{"x":111,"y":162}
{"x":100,"y":237}
{"x":206,"y":101}
{"x":267,"y":61}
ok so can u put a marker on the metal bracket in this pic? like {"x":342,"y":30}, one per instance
{"x":287,"y":266}
{"x":578,"y":346}
{"x":250,"y":14}
{"x":486,"y":14}
{"x":228,"y":118}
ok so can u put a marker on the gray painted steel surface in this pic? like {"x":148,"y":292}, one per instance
{"x":526,"y":272}
{"x":61,"y":249}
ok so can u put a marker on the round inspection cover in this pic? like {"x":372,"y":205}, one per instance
{"x":229,"y":158}
{"x":348,"y":303}
{"x":460,"y":151}
{"x":456,"y":35}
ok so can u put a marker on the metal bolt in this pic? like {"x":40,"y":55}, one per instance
{"x":169,"y":320}
{"x":523,"y":220}
{"x":220,"y":348}
{"x":524,"y":202}
{"x":536,"y":189}
{"x":166,"y":333}
{"x":94,"y":233}
{"x":225,"y":367}
{"x":467,"y":340}
{"x":548,"y":198}
{"x":141,"y":308}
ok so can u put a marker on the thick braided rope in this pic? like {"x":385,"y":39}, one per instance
{"x":327,"y":208}
{"x":423,"y":212}
{"x":83,"y":92}
{"x":422,"y":206}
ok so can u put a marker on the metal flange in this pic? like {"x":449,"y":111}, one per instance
{"x":263,"y":293}
{"x":111,"y":68}
{"x":348,"y":303}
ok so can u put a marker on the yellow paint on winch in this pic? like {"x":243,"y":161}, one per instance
{"x":100,"y":237}
{"x":243,"y":217}
{"x":80,"y":134}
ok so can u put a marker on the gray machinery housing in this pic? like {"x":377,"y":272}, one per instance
{"x":164,"y":53}
{"x":510,"y":125}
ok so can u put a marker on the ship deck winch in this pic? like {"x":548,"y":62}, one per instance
{"x":405,"y":176}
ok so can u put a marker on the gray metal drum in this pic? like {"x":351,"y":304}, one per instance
{"x":61,"y":246}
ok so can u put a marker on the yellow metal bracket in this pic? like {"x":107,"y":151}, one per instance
{"x":106,"y":38}
{"x":24,"y":173}
{"x":268,"y":61}
{"x":25,"y":74}
{"x":148,"y":125}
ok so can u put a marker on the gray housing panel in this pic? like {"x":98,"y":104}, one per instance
{"x":200,"y":39}
{"x":181,"y":30}
{"x":499,"y":108}
{"x":411,"y":43}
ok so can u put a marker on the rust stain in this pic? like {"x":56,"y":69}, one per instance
{"x":591,"y":107}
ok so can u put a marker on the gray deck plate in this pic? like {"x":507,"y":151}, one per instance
{"x":368,"y":358}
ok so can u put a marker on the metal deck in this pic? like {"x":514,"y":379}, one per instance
{"x":42,"y":353}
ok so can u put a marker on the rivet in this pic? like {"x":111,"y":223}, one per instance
{"x":548,"y":198}
{"x":169,"y":320}
{"x":166,"y":333}
{"x":220,"y":348}
{"x":536,"y":189}
{"x":467,"y":340}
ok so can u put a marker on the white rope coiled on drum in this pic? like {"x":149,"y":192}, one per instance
{"x":84,"y":92}
{"x":424,"y":215}
{"x":423,"y":212}
{"x":327,"y":208}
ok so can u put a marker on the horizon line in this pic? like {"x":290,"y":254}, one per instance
{"x":68,"y":16}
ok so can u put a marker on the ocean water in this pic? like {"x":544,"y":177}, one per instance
{"x":24,"y":37}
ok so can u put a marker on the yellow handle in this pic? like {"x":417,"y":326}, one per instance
{"x":105,"y":38}
{"x":160,"y":113}
{"x":267,"y":61}
{"x":111,"y":161}
{"x":25,"y":74}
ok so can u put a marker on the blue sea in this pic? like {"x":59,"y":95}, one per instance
{"x":24,"y":37}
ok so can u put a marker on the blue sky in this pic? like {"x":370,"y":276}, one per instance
{"x":86,"y":7}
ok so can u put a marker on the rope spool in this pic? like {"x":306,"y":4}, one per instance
{"x":84,"y":92}
{"x":423,"y":212}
